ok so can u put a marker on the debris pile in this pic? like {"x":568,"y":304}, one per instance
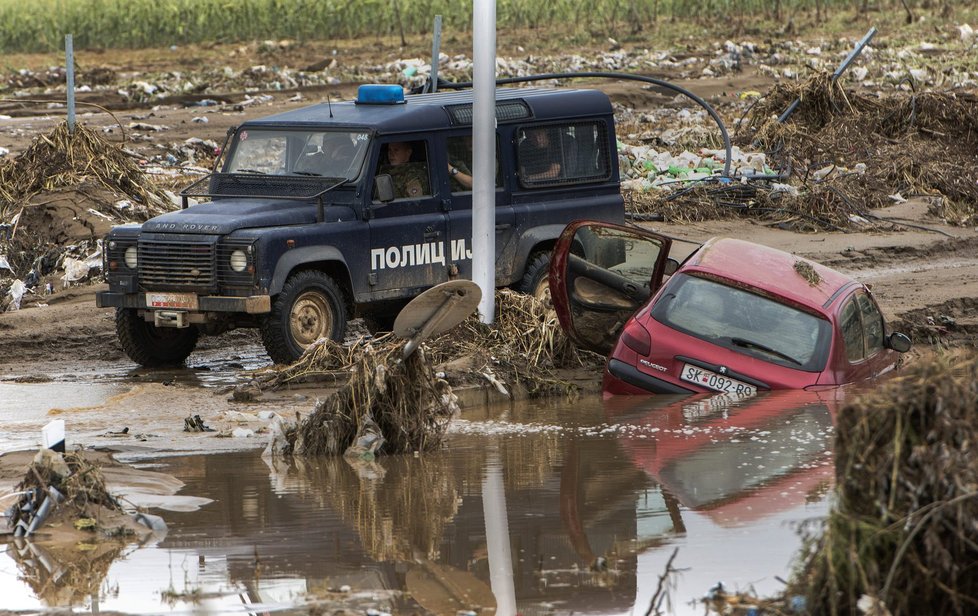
{"x":852,"y":153}
{"x":840,"y":155}
{"x":523,"y":348}
{"x":392,"y":402}
{"x":67,"y":486}
{"x":67,"y":189}
{"x":901,"y":538}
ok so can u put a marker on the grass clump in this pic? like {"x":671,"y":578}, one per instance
{"x":902,"y":535}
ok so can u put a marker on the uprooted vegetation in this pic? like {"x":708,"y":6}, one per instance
{"x":61,"y":195}
{"x":844,"y":154}
{"x":902,"y":533}
{"x":409,"y":402}
{"x":397,"y":402}
{"x":523,"y":349}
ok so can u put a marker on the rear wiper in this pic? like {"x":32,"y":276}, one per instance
{"x":309,"y":173}
{"x":252,"y":171}
{"x":750,"y":344}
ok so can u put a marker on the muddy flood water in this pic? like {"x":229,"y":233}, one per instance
{"x":533,"y":508}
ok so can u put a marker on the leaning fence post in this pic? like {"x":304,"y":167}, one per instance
{"x":435,"y":53}
{"x":70,"y":70}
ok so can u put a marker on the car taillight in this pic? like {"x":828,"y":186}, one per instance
{"x":637,"y":338}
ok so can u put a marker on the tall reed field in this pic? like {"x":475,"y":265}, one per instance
{"x":40,"y":25}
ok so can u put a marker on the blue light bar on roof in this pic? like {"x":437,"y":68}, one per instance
{"x":380,"y":94}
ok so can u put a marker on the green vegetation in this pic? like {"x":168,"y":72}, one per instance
{"x":40,"y":25}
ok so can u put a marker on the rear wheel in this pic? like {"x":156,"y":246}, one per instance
{"x":310,"y":307}
{"x":152,"y":346}
{"x":536,"y":279}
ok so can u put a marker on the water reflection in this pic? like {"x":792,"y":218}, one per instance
{"x":593,"y":496}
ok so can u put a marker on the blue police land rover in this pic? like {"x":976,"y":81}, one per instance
{"x":352,"y":209}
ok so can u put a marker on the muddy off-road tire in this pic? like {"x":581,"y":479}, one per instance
{"x":152,"y":346}
{"x":310,"y":306}
{"x":536,"y":278}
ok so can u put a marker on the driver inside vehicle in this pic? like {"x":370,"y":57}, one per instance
{"x":410,"y":178}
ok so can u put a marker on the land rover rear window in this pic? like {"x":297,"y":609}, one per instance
{"x":563,"y":154}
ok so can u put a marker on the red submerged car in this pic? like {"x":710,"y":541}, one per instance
{"x":735,"y":317}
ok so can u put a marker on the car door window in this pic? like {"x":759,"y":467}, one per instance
{"x":851,"y":325}
{"x":872,"y":324}
{"x":609,"y":271}
{"x":407,"y":164}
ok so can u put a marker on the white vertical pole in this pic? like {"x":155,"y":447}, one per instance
{"x":484,"y":155}
{"x":70,"y":75}
{"x":497,"y":536}
{"x":435,"y":53}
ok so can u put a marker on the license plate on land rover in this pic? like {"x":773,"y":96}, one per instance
{"x":172,"y":301}
{"x":717,"y":382}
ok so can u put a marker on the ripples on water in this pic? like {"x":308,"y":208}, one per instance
{"x":596,"y":497}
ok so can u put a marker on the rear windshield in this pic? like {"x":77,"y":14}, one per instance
{"x":744,"y":322}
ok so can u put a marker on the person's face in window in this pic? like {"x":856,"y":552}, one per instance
{"x":399,"y":153}
{"x":540,"y":138}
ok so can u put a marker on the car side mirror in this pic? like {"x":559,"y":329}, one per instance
{"x":671,"y":266}
{"x":898,"y":342}
{"x":384,"y":188}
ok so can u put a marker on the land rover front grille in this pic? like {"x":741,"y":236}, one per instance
{"x":170,"y":265}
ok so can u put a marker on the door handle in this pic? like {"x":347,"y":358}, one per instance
{"x":432,"y":235}
{"x":503,"y":226}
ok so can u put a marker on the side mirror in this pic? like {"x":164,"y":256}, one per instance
{"x":671,"y":266}
{"x":384,"y":188}
{"x":898,"y":342}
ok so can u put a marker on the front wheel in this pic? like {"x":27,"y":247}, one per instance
{"x":152,"y":346}
{"x":536,"y":278}
{"x":309,"y":307}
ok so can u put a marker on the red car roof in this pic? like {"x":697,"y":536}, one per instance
{"x":769,"y":269}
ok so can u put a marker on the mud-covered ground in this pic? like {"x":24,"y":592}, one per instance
{"x":924,"y":271}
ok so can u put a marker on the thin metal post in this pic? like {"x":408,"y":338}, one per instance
{"x":858,"y":49}
{"x":484,"y":156}
{"x":435,"y":53}
{"x":70,"y":71}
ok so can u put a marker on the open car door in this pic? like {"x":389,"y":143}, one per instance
{"x":600,"y":274}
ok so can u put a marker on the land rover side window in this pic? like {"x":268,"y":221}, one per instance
{"x":406,"y":162}
{"x":460,"y":163}
{"x":562,"y":154}
{"x":298,"y":152}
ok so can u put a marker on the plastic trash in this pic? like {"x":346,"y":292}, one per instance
{"x":16,"y":293}
{"x":368,"y":441}
{"x":152,"y":522}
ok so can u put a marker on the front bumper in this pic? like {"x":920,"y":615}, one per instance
{"x":255,"y":304}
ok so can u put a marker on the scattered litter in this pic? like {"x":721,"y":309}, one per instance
{"x":194,"y":423}
{"x":16,"y":293}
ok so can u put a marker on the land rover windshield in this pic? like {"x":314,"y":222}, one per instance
{"x":329,"y":154}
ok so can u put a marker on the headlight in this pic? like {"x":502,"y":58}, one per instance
{"x":130,"y":257}
{"x":239,"y":260}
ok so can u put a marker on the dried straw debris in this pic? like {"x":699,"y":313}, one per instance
{"x":903,"y":535}
{"x":402,"y":399}
{"x":63,"y":159}
{"x":914,"y":143}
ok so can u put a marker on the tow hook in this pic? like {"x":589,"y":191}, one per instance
{"x":170,"y":318}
